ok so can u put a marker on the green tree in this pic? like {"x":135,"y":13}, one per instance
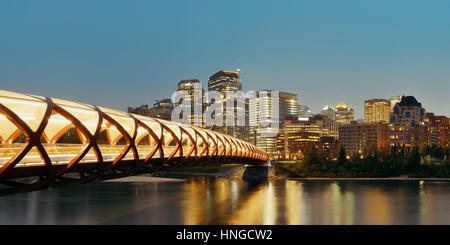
{"x":413,"y":160}
{"x":342,"y":157}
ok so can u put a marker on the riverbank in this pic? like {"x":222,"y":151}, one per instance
{"x":180,"y":177}
{"x":144,"y":178}
{"x":229,"y":174}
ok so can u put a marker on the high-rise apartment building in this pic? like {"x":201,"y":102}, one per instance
{"x":377,"y":110}
{"x":407,"y":127}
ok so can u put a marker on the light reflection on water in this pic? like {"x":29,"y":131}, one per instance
{"x":205,"y":200}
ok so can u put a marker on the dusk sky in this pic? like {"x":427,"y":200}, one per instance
{"x":127,"y":53}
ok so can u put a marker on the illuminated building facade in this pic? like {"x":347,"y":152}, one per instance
{"x":225,"y":81}
{"x":195,"y":100}
{"x":162,"y":109}
{"x":318,"y":132}
{"x":291,"y":146}
{"x":377,"y":110}
{"x":140,"y":110}
{"x":407,"y":127}
{"x":344,"y":114}
{"x":328,"y":146}
{"x":317,"y":124}
{"x":329,"y":112}
{"x":395,"y":99}
{"x":304,"y":112}
{"x":287,"y":106}
{"x":437,"y":130}
{"x":358,"y":138}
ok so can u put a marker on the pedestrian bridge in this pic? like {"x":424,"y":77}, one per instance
{"x":55,"y":140}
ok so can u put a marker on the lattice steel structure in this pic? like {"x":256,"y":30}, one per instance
{"x":61,"y":141}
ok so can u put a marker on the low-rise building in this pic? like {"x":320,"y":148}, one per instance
{"x":358,"y":138}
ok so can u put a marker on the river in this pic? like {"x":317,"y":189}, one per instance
{"x":208,"y":200}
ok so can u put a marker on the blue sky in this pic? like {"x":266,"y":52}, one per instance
{"x":126,"y":53}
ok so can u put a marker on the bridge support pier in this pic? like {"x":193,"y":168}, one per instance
{"x":258,"y":173}
{"x":251,"y":173}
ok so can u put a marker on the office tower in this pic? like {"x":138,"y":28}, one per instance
{"x":299,"y":135}
{"x":407,"y":124}
{"x":229,"y":81}
{"x":194,"y":101}
{"x":329,"y":112}
{"x":223,"y":81}
{"x":262,"y":104}
{"x":162,"y":109}
{"x":358,"y":138}
{"x":318,"y":123}
{"x":395,"y":99}
{"x":377,"y":110}
{"x":288,"y":104}
{"x":344,"y":114}
{"x":304,"y":112}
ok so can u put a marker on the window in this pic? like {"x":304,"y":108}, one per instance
{"x":396,"y":111}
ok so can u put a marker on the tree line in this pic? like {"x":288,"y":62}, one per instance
{"x":429,"y":161}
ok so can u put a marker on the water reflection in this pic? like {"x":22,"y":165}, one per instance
{"x":221,"y":201}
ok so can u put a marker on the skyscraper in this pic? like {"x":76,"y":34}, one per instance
{"x":395,"y":99}
{"x":288,"y":104}
{"x":377,"y":110}
{"x":194,"y":101}
{"x":329,"y":112}
{"x":304,"y":112}
{"x":344,"y":114}
{"x":263,"y":115}
{"x":225,"y":81}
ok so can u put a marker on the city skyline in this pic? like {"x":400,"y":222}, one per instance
{"x":325,"y":53}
